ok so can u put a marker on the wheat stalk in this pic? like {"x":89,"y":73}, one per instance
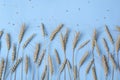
{"x":41,"y":57}
{"x":105,"y":65}
{"x":89,"y":66}
{"x":28,"y":40}
{"x":109,"y":35}
{"x":83,"y":58}
{"x":13,"y":53}
{"x":94,"y":73}
{"x":57,"y":56}
{"x":83,"y":44}
{"x":97,"y":48}
{"x":37,"y":48}
{"x":21,"y":33}
{"x":2,"y":64}
{"x":16,"y":65}
{"x":53,"y":34}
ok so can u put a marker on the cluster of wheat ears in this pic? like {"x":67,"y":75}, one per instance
{"x":48,"y":71}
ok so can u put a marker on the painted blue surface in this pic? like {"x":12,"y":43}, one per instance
{"x":77,"y":15}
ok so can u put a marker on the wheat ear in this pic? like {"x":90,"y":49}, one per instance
{"x":1,"y":33}
{"x":118,"y":28}
{"x":112,"y":60}
{"x":2,"y":64}
{"x":62,"y":66}
{"x":44,"y":73}
{"x":97,"y":48}
{"x":13,"y":53}
{"x":105,"y":65}
{"x":8,"y":41}
{"x":53,"y":34}
{"x":94,"y":73}
{"x":83,"y":44}
{"x":57,"y":56}
{"x":94,"y":36}
{"x":89,"y":66}
{"x":50,"y":65}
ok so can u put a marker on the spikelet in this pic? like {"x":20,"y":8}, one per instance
{"x":53,"y":34}
{"x":75,"y":40}
{"x":44,"y":73}
{"x":105,"y":45}
{"x":97,"y":48}
{"x":83,"y":58}
{"x":109,"y":35}
{"x":1,"y":33}
{"x":2,"y":64}
{"x":8,"y":41}
{"x":83,"y":44}
{"x":13,"y":53}
{"x":40,"y":59}
{"x":69,"y":65}
{"x":16,"y":64}
{"x":75,"y":72}
{"x":22,"y":31}
{"x":105,"y":65}
{"x":94,"y":73}
{"x":26,"y":64}
{"x":118,"y":28}
{"x":94,"y":38}
{"x":89,"y":66}
{"x":28,"y":40}
{"x":62,"y":42}
{"x":62,"y":66}
{"x":50,"y":65}
{"x":37,"y":48}
{"x":118,"y":44}
{"x":42,"y":28}
{"x":57,"y":56}
{"x":113,"y":61}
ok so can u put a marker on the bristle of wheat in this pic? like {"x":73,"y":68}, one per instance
{"x":89,"y":66}
{"x":43,"y":30}
{"x":113,"y":61}
{"x":8,"y":41}
{"x":118,"y":44}
{"x":1,"y":33}
{"x":83,"y":58}
{"x":44,"y":73}
{"x":40,"y":59}
{"x":2,"y":64}
{"x":28,"y":40}
{"x":50,"y":65}
{"x":118,"y":28}
{"x":109,"y":35}
{"x":62,"y":66}
{"x":94,"y":36}
{"x":14,"y":53}
{"x":57,"y":56}
{"x":53,"y":34}
{"x":62,"y":42}
{"x":75,"y":41}
{"x":97,"y":48}
{"x":94,"y":73}
{"x":21,"y":33}
{"x":37,"y":49}
{"x":26,"y":64}
{"x":105,"y":45}
{"x":75,"y":72}
{"x":16,"y":64}
{"x":83,"y":44}
{"x":105,"y":65}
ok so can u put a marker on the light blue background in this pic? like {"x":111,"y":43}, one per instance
{"x":77,"y":15}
